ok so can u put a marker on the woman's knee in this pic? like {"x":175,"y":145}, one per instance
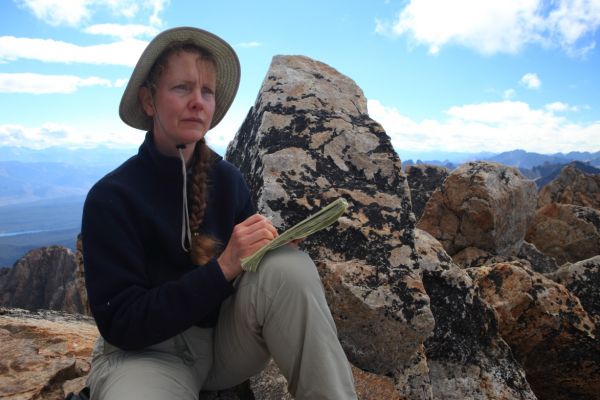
{"x":290,"y":268}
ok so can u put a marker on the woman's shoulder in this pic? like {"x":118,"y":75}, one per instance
{"x":124,"y":176}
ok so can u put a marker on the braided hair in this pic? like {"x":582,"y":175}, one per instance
{"x":203,"y":247}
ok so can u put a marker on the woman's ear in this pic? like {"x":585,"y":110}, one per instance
{"x":145,"y":99}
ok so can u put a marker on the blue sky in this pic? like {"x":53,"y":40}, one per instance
{"x":439,"y":75}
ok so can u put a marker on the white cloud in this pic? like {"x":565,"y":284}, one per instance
{"x":157,"y":6}
{"x":112,"y":132}
{"x":59,"y":12}
{"x":121,"y":82}
{"x":491,"y":26}
{"x":531,"y":81}
{"x":76,"y":12}
{"x":44,"y":84}
{"x":53,"y":134}
{"x":249,"y":44}
{"x":121,"y":31}
{"x":496,"y":127}
{"x":558,"y":106}
{"x":124,"y":52}
{"x":509,"y":94}
{"x":222,"y":134}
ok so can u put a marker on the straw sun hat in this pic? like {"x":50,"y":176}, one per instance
{"x":228,"y":73}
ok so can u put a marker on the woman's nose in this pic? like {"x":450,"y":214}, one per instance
{"x":197,"y":100}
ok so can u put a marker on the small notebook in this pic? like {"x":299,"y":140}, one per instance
{"x":314,"y":223}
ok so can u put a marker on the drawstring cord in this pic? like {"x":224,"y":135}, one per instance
{"x":186,"y":233}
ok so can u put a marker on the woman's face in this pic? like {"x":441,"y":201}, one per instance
{"x":183,"y":103}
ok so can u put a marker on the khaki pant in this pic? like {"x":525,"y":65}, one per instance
{"x":279,"y":311}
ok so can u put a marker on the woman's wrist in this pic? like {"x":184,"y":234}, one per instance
{"x":229,"y":270}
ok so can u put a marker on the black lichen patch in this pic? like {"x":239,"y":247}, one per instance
{"x":497,"y":277}
{"x":587,"y":288}
{"x":463,"y":331}
{"x":504,"y":177}
{"x":589,"y":215}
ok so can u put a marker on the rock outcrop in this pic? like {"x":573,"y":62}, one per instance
{"x":547,"y":329}
{"x":466,"y":357}
{"x":45,"y":354}
{"x":307,"y":140}
{"x":572,"y":186}
{"x":423,"y":180}
{"x":483,"y":205}
{"x":566,"y":232}
{"x":46,"y":278}
{"x":528,"y":253}
{"x":583,"y":280}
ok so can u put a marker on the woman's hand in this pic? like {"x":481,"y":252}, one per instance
{"x":247,"y":237}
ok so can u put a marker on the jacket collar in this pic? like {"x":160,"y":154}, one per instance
{"x":164,"y":165}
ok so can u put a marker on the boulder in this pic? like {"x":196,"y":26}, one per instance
{"x":548,"y":330}
{"x":467,"y":358}
{"x":308,"y":140}
{"x":271,"y":384}
{"x":45,"y":354}
{"x":45,"y":278}
{"x":473,"y":257}
{"x":483,"y":205}
{"x":572,"y":186}
{"x":538,"y":261}
{"x":423,"y":180}
{"x":583,"y":280}
{"x":566,"y":232}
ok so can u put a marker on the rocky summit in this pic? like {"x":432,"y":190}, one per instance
{"x":485,"y":298}
{"x":402,"y":308}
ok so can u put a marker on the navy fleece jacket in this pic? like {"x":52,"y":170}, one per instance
{"x":142,"y":286}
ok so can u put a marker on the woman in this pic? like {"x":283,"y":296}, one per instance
{"x":163,"y":236}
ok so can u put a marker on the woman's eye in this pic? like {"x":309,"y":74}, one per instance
{"x":182,"y":87}
{"x":206,"y":91}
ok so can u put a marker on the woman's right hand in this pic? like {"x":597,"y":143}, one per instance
{"x":246,"y":238}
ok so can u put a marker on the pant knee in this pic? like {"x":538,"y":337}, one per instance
{"x":290,"y":268}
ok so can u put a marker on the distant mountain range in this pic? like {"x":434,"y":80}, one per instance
{"x":100,"y":155}
{"x":515,"y":158}
{"x":542,"y":168}
{"x":28,"y":175}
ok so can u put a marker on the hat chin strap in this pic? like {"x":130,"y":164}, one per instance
{"x":186,"y":232}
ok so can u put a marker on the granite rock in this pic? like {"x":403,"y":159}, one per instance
{"x":45,"y":278}
{"x":566,"y":232}
{"x":45,"y":354}
{"x":483,"y":205}
{"x":583,"y":280}
{"x":572,"y":186}
{"x":308,"y":140}
{"x":467,"y":358}
{"x":548,"y":330}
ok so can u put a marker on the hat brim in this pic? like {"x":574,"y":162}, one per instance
{"x":228,"y":74}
